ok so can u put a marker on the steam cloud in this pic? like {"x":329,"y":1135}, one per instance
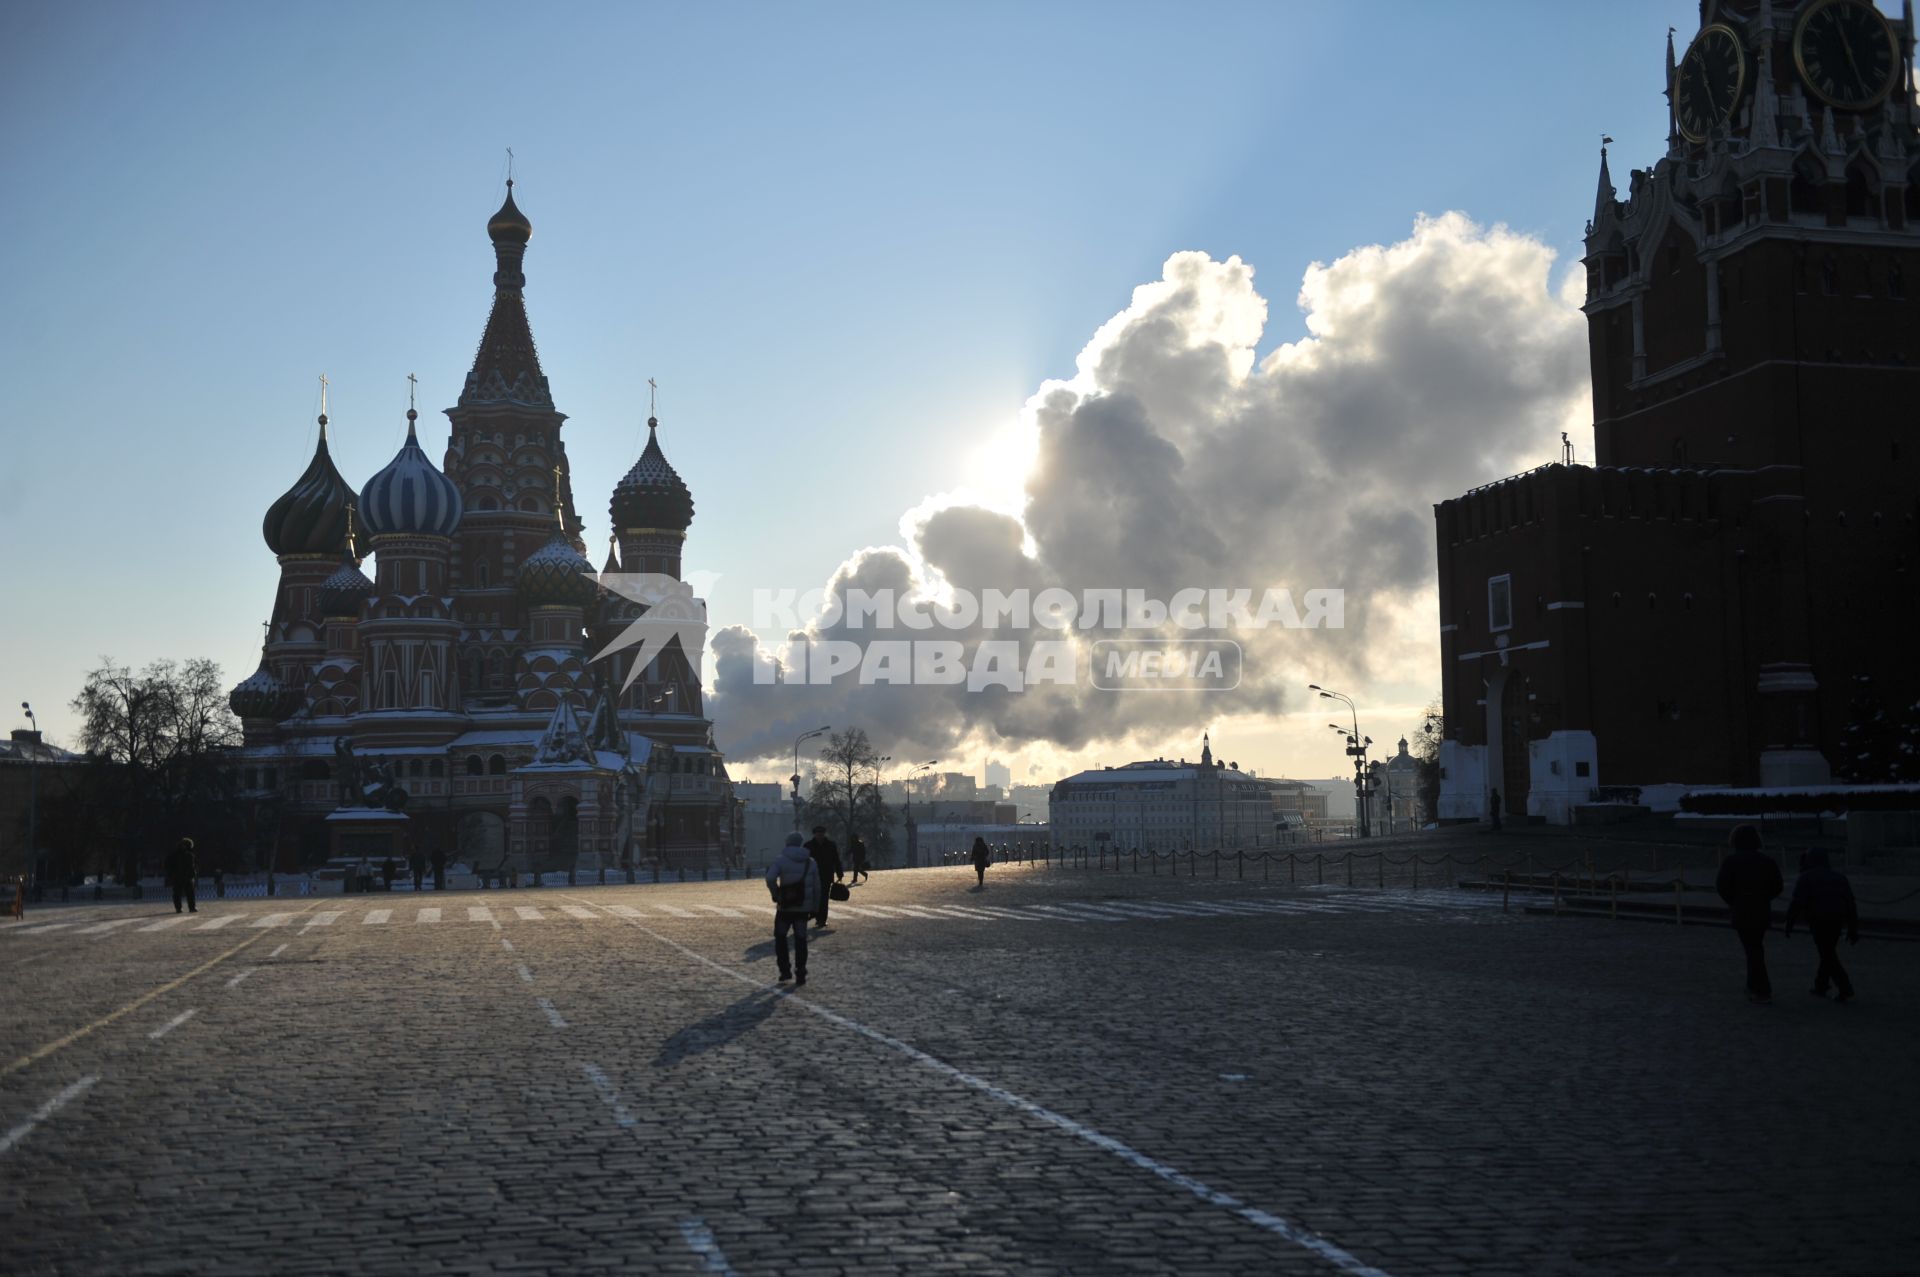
{"x":1173,"y":458}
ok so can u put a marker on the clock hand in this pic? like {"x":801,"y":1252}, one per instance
{"x":1846,"y":47}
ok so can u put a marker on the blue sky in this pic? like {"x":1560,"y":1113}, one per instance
{"x":849,"y":241}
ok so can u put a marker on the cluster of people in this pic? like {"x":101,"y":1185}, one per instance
{"x":806,"y":879}
{"x":1749,"y":881}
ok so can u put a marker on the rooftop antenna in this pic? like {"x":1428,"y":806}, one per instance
{"x":1566,"y":449}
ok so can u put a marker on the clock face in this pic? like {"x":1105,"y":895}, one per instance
{"x":1846,"y":53}
{"x":1710,"y":81}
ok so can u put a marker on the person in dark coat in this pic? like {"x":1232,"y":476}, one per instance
{"x":826,"y":854}
{"x":439,"y":868}
{"x":1824,"y":897}
{"x":418,"y":864}
{"x":1749,"y":882}
{"x":387,"y":870}
{"x":857,"y":857}
{"x":795,"y":885}
{"x":181,"y":873}
{"x":982,"y":857}
{"x":1493,"y":808}
{"x":220,"y":882}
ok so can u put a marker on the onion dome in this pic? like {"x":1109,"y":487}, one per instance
{"x":311,"y":516}
{"x":261,"y":695}
{"x":557,"y":575}
{"x":410,"y":497}
{"x":342,"y":593}
{"x":652,"y":495}
{"x":509,"y":223}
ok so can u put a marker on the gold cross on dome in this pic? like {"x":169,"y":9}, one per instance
{"x":412,"y":382}
{"x":653,"y":397}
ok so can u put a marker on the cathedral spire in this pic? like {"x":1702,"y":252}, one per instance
{"x":506,"y":368}
{"x":1603,"y":195}
{"x":1673,"y":114}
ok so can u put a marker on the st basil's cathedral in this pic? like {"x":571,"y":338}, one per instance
{"x":454,"y":695}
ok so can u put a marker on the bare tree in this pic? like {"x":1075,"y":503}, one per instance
{"x":846,"y":790}
{"x":164,"y":735}
{"x":1425,"y":749}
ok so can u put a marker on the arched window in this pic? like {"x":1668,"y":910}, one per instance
{"x":482,"y":574}
{"x":497,"y":669}
{"x":1862,"y":198}
{"x":474,"y":766}
{"x":416,"y":768}
{"x":497,"y":766}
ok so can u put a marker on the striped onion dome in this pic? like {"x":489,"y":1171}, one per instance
{"x":652,"y":494}
{"x":410,"y":496}
{"x":261,"y":695}
{"x":311,"y":516}
{"x":557,"y":574}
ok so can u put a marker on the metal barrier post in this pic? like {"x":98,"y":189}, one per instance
{"x":1506,"y":886}
{"x":1380,"y":868}
{"x":1679,"y":918}
{"x":1240,"y":864}
{"x":1556,"y":893}
{"x":1416,"y":871}
{"x":1320,"y":868}
{"x":1349,"y":869}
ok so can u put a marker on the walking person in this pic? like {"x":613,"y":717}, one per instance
{"x":1749,"y":882}
{"x":220,"y":882}
{"x":181,"y":873}
{"x":1825,"y":898}
{"x":417,"y":863}
{"x":439,"y":868}
{"x":982,"y":857}
{"x":857,"y":857}
{"x":794,"y":882}
{"x":1493,"y":809}
{"x":826,"y":854}
{"x":19,"y":906}
{"x":387,"y":870}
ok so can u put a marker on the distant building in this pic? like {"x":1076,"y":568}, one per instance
{"x":1393,"y":800}
{"x":32,"y":774}
{"x":1297,"y":804}
{"x":768,"y":818}
{"x":1163,"y":805}
{"x":944,"y":842}
{"x":999,"y":776}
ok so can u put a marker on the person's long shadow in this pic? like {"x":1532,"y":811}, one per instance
{"x":717,"y":1030}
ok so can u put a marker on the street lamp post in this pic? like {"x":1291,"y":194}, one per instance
{"x":907,"y":806}
{"x":33,"y":802}
{"x":1356,"y":749}
{"x":795,"y":778}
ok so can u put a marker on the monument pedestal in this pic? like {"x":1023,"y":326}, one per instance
{"x":372,"y":832}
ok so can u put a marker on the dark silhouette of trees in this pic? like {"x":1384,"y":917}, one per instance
{"x":161,"y":739}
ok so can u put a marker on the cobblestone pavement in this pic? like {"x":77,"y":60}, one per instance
{"x":1068,"y":1072}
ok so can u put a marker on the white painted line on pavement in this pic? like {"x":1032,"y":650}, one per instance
{"x":700,"y":1240}
{"x":526,"y":976}
{"x":529,"y":913}
{"x":46,"y":1111}
{"x":479,"y":913}
{"x":326,"y":919}
{"x":580,"y":911}
{"x":678,"y":913}
{"x":277,"y":952}
{"x":214,"y":924}
{"x":37,"y":928}
{"x":1053,"y":912}
{"x":553,"y":1016}
{"x":623,"y":911}
{"x":33,"y":958}
{"x":429,"y":915}
{"x":243,"y":975}
{"x":375,"y":917}
{"x":273,"y":920}
{"x":1280,"y":1227}
{"x":161,"y":925}
{"x":99,"y":927}
{"x":173,"y":1024}
{"x":879,"y":911}
{"x":724,"y":913}
{"x":611,"y":1096}
{"x":914,"y":911}
{"x":506,"y":944}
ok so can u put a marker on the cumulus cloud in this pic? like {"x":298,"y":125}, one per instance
{"x":1176,"y":457}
